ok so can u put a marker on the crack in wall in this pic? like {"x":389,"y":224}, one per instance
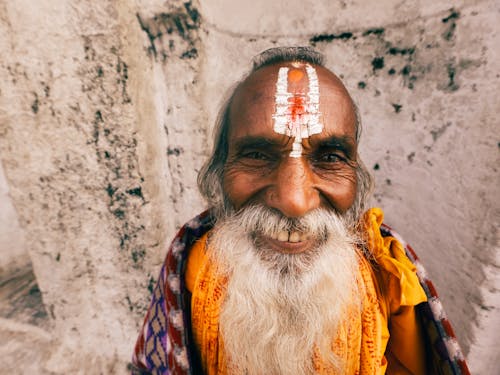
{"x":253,"y":37}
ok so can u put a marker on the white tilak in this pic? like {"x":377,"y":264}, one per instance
{"x":281,"y":99}
{"x":307,"y":123}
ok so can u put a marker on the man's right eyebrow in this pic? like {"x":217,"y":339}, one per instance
{"x":255,"y":142}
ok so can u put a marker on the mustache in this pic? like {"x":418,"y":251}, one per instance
{"x":258,"y":220}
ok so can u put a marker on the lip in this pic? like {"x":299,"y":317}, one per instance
{"x":285,"y":247}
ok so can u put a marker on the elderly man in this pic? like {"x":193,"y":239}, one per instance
{"x":286,"y":273}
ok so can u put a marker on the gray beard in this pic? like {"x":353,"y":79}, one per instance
{"x":280,"y":307}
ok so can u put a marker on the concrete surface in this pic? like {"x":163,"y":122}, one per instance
{"x":106,"y":111}
{"x":14,"y":253}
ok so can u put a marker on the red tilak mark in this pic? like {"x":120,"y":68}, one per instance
{"x":297,"y":107}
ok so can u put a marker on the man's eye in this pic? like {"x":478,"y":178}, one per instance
{"x":255,"y":155}
{"x":330,"y":158}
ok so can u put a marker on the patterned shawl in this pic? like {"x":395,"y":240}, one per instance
{"x":165,"y":344}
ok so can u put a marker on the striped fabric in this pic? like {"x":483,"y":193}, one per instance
{"x":442,"y":342}
{"x":165,"y":343}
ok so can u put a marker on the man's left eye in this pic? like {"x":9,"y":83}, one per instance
{"x":330,"y":158}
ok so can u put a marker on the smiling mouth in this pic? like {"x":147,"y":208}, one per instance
{"x":290,"y":236}
{"x":287,"y":242}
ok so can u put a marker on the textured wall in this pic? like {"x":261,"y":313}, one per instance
{"x":105,"y":114}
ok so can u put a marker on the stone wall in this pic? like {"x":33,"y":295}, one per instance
{"x":106,"y":111}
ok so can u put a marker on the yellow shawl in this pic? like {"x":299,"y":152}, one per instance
{"x":386,"y":336}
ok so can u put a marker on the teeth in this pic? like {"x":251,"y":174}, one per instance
{"x":294,"y":237}
{"x":283,"y":236}
{"x":286,"y":236}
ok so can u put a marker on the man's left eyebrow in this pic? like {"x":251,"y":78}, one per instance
{"x":343,"y":143}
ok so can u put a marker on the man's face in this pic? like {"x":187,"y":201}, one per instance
{"x":259,"y":168}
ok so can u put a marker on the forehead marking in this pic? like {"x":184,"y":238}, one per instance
{"x":295,"y":75}
{"x":297,"y":115}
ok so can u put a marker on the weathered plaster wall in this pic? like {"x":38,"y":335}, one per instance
{"x":105,"y":114}
{"x":11,"y":234}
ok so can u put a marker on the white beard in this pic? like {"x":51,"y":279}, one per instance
{"x":279,"y":307}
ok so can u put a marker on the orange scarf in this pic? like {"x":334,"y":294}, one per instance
{"x":361,"y":339}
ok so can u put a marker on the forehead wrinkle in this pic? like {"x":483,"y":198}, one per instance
{"x":339,"y":102}
{"x":250,"y":104}
{"x":252,"y":93}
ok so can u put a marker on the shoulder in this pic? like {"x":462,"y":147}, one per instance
{"x":397,"y":271}
{"x":406,"y":285}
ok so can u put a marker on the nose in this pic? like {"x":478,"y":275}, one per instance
{"x":292,"y":191}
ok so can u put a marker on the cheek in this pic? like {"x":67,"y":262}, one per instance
{"x":341,"y":193}
{"x":239,"y":186}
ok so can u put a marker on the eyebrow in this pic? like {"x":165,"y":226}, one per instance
{"x":344,"y":143}
{"x":256,"y":142}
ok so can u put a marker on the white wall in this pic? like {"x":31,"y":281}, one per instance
{"x":14,"y":254}
{"x":106,"y":111}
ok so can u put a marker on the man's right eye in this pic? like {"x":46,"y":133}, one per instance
{"x":255,"y":155}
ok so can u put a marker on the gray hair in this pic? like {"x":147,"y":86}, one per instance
{"x":286,"y":54}
{"x":210,"y":178}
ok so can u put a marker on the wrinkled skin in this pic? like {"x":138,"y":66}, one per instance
{"x":259,"y":169}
